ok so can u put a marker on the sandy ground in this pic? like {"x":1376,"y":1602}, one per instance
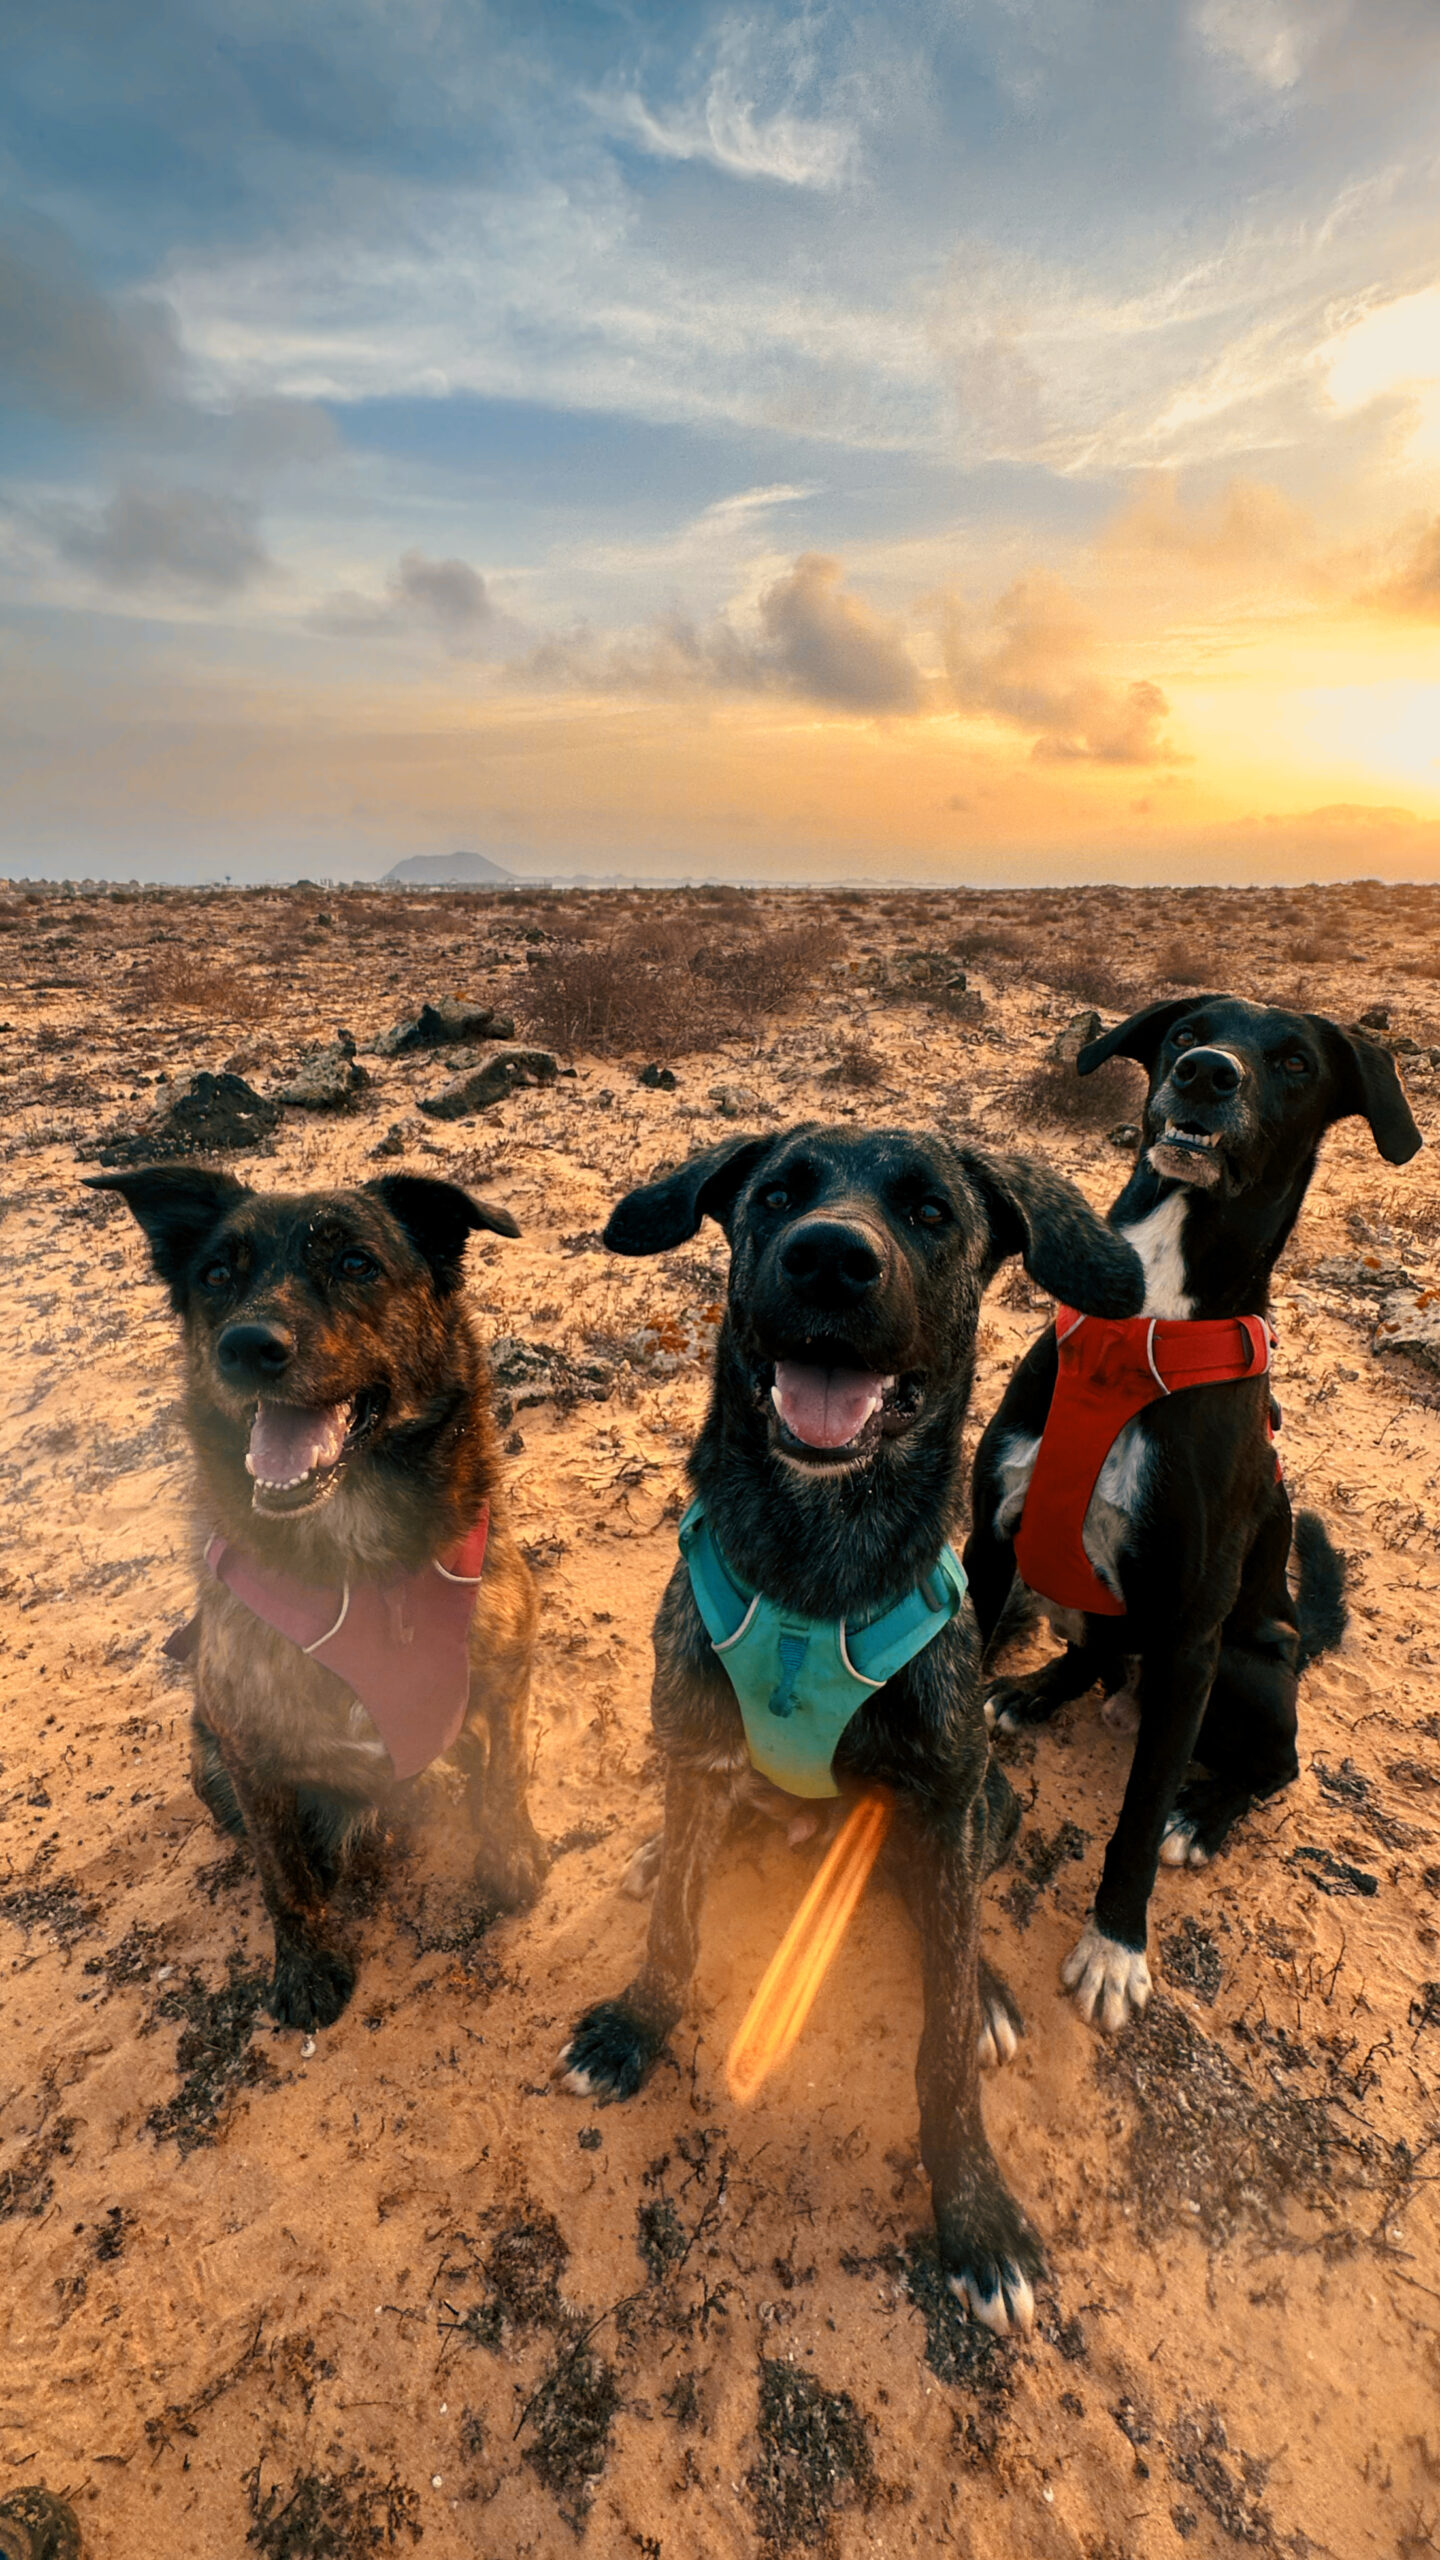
{"x":399,"y":2288}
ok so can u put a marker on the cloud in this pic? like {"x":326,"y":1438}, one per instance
{"x":193,"y":539}
{"x":65,"y":350}
{"x":446,"y":600}
{"x":1034,"y":665}
{"x":1249,"y":522}
{"x":1416,"y":589}
{"x":1265,"y":38}
{"x":724,"y":125}
{"x":830,"y":646}
{"x":810,"y":638}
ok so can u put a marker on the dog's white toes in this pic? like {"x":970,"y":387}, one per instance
{"x":638,"y":1880}
{"x":1180,"y":1848}
{"x":1010,"y":2306}
{"x":989,"y":1727}
{"x":1111,"y":1983}
{"x":571,"y":2077}
{"x":997,"y":2042}
{"x":1122,"y":1712}
{"x":802,"y":1827}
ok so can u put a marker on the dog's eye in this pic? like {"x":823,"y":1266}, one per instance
{"x":215,"y":1275}
{"x":1184,"y":1039}
{"x":355,"y":1265}
{"x":777,"y":1197}
{"x":931,"y":1213}
{"x":1297,"y":1064}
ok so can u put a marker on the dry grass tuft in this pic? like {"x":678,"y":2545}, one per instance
{"x":1054,"y":1092}
{"x":669,"y":984}
{"x":1178,"y":966}
{"x":182,"y":982}
{"x":1088,"y":974}
{"x":858,"y":1068}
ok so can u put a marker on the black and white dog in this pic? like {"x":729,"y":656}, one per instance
{"x":829,"y":1469}
{"x":1189,"y":1524}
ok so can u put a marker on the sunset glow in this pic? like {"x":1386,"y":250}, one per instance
{"x":983,"y":446}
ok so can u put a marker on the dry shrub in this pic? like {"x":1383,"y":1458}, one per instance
{"x":857,"y":1067}
{"x":987,"y":942}
{"x":181,"y":982}
{"x":1425,"y":965}
{"x":667,"y":986}
{"x":1178,"y":966}
{"x":1053,"y":1091}
{"x":1088,"y":974}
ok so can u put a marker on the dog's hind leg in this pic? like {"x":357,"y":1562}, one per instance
{"x":1246,"y":1744}
{"x":313,"y":1980}
{"x":615,"y":2044}
{"x":989,"y":2252}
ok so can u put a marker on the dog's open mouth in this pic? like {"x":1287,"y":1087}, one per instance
{"x":831,"y":1411}
{"x":1188,"y":1153}
{"x":297,"y":1452}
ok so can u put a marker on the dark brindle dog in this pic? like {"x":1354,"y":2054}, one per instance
{"x":338,"y":1406}
{"x":1189,"y":1525}
{"x":829,"y":1468}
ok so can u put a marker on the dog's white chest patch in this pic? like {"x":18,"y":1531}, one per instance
{"x":1159,"y":1240}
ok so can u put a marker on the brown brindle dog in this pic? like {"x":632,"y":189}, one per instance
{"x":338,"y":1406}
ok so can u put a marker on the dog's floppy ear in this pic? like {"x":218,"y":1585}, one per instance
{"x":438,"y":1217}
{"x":1371,"y":1087}
{"x":178,"y":1206}
{"x":1068,"y":1251}
{"x":1141,"y":1035}
{"x":669,"y":1212}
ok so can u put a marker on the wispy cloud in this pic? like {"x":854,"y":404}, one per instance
{"x":745,"y":117}
{"x":444,"y":600}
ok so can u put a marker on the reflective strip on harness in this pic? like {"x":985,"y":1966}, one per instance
{"x":1107,"y":1372}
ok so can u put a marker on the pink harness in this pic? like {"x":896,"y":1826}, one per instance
{"x":403,"y":1647}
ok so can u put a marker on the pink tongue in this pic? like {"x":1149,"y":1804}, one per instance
{"x":825,"y":1407}
{"x":287,"y":1440}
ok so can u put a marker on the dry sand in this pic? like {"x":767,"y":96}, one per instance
{"x":400,"y":2287}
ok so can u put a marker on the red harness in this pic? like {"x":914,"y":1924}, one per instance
{"x":402,"y":1647}
{"x":1108,"y":1372}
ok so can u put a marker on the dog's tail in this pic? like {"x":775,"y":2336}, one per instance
{"x":1320,"y":1608}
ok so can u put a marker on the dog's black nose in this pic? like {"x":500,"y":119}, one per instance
{"x":253,"y":1354}
{"x":827,"y":1259}
{"x":1202,"y":1072}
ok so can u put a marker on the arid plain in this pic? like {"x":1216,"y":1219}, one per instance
{"x":398,"y":2288}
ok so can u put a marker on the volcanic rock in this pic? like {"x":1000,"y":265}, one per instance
{"x":440,"y":1026}
{"x":1078,"y":1033}
{"x":327,"y":1078}
{"x":1410,"y":1324}
{"x":501,"y":1074}
{"x":216,"y":1115}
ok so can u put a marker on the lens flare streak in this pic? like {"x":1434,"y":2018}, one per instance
{"x":773,"y":2021}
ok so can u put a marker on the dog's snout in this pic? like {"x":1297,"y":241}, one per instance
{"x":1206,"y":1073}
{"x":253,"y":1354}
{"x":826,"y":1257}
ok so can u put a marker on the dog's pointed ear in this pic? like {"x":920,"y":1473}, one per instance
{"x":177,"y":1207}
{"x":1141,"y":1035}
{"x":1370,"y":1087}
{"x":668,"y":1212}
{"x":438,"y":1217}
{"x":1067,"y":1249}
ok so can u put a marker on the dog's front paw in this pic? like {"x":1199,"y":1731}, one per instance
{"x":609,"y":2053}
{"x":1111,"y":1982}
{"x":994,"y":2263}
{"x":1001,"y":2023}
{"x":511,"y":1866}
{"x":1206,"y":1812}
{"x":311,"y":1986}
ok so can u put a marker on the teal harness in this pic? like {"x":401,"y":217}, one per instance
{"x":800,"y":1680}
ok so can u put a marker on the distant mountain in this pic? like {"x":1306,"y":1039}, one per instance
{"x":447,"y":871}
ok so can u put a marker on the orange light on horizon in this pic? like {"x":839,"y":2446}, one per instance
{"x":773,"y":2021}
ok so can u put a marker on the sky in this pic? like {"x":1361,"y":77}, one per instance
{"x":969,"y":440}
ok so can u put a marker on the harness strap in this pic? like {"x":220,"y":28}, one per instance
{"x":1108,"y":1370}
